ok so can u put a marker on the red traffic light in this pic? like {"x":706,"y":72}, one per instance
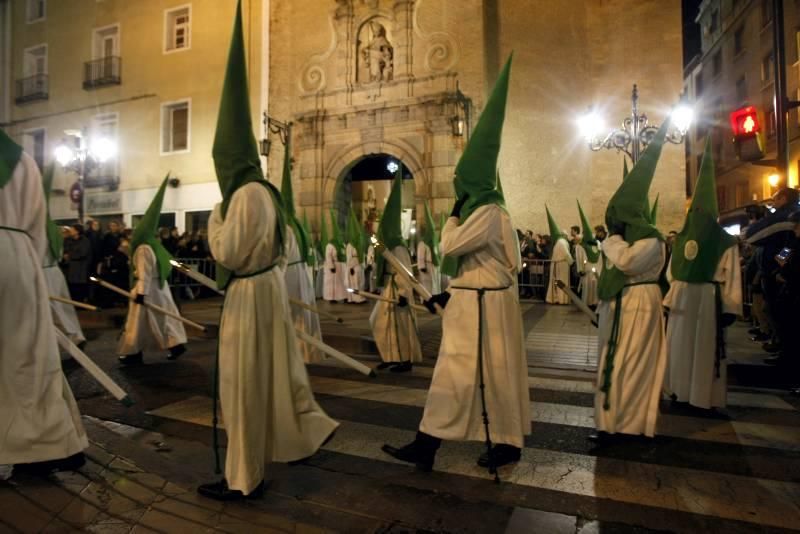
{"x":744,"y":122}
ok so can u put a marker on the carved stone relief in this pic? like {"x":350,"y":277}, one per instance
{"x":375,"y":53}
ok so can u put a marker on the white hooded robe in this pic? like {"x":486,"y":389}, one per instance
{"x":691,"y":339}
{"x":333,"y":288}
{"x":267,"y":404}
{"x":428,"y":272}
{"x":590,"y":275}
{"x":489,"y":252}
{"x":560,"y":262}
{"x":39,"y":419}
{"x":299,"y":287}
{"x":64,"y":315}
{"x":356,"y":279}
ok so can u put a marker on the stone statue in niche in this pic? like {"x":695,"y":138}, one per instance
{"x":377,"y":55}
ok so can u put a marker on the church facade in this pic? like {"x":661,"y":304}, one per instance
{"x":408,"y":78}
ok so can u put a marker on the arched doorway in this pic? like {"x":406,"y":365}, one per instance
{"x":365,"y":184}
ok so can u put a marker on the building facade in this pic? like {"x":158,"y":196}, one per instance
{"x":389,"y":78}
{"x":146,"y":75}
{"x":735,"y":69}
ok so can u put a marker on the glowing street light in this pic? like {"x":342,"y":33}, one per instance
{"x":392,"y":166}
{"x":773,"y":180}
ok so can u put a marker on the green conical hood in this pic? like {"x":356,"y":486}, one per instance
{"x":354,"y":234}
{"x":323,"y":236}
{"x":629,"y":206}
{"x":587,"y":239}
{"x":55,"y":239}
{"x":555,"y":230}
{"x":145,"y":234}
{"x":442,"y":222}
{"x":302,"y":237}
{"x":701,"y":243}
{"x":476,"y":171}
{"x":336,"y":238}
{"x":390,"y":232}
{"x":429,"y":235}
{"x":654,"y":211}
{"x":10,"y":154}
{"x":235,"y":152}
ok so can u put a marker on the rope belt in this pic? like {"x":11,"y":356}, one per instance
{"x":12,"y":229}
{"x":613,"y":341}
{"x":295,"y":263}
{"x":50,"y":266}
{"x":215,"y":412}
{"x":481,"y":292}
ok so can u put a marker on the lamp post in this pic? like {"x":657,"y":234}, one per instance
{"x":283,"y":129}
{"x":81,"y":158}
{"x":635,"y":133}
{"x":461,"y":126}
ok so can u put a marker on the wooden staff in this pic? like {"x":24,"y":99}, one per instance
{"x":74,"y":303}
{"x":212,"y":285}
{"x":401,"y":270}
{"x":577,"y":301}
{"x":92,"y":368}
{"x":379,"y":298}
{"x":149,"y":305}
{"x":330,"y":351}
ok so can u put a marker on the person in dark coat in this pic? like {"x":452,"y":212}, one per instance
{"x":78,"y":256}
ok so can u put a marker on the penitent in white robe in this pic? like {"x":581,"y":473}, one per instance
{"x":489,"y":252}
{"x":267,"y":404}
{"x":395,"y":328}
{"x":64,"y":315}
{"x":145,"y":328}
{"x":39,"y":419}
{"x":299,"y":287}
{"x":428,"y":272}
{"x":370,"y":264}
{"x":560,"y":262}
{"x":333,"y":288}
{"x":355,"y":280}
{"x":691,"y":340}
{"x":641,"y":354}
{"x":590,"y":275}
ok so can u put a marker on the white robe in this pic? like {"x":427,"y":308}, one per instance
{"x":370,"y":263}
{"x":267,"y":404}
{"x":428,"y":272}
{"x":64,"y":315}
{"x":590,"y":275}
{"x":394,"y":328}
{"x":560,"y":262}
{"x":334,"y":282}
{"x":641,"y":354}
{"x":691,"y":336}
{"x":356,"y":279}
{"x":318,"y":275}
{"x":489,"y":252}
{"x":145,"y":328}
{"x":299,"y":287}
{"x":39,"y":419}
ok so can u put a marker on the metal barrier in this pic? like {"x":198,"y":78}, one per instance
{"x":187,"y":288}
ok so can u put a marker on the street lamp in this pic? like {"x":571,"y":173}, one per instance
{"x":635,"y":133}
{"x":461,"y":124}
{"x":81,"y":158}
{"x":283,"y":129}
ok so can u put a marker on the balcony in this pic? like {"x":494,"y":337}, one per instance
{"x":32,"y":88}
{"x":102,"y":72}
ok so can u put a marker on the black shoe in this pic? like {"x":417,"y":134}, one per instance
{"x":795,"y":392}
{"x":131,"y":359}
{"x":421,"y":451}
{"x":501,"y":455}
{"x":754,"y":331}
{"x":81,"y":345}
{"x":760,"y":337}
{"x":176,"y":351}
{"x":771,"y":347}
{"x":70,"y":463}
{"x":403,"y":367}
{"x":220,"y":491}
{"x":385,"y":365}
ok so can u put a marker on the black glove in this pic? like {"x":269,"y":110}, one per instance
{"x":333,"y":270}
{"x":423,"y":270}
{"x":402,"y":302}
{"x":727,"y":319}
{"x":440,"y":299}
{"x":352,"y":272}
{"x":617,"y":229}
{"x":139,"y":299}
{"x":458,"y":205}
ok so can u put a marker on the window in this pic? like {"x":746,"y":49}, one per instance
{"x":36,"y":11}
{"x":767,"y":67}
{"x":771,"y":123}
{"x":35,"y":61}
{"x":741,"y":90}
{"x":766,"y":12}
{"x":106,"y":126}
{"x":714,"y":24}
{"x":175,"y":126}
{"x":722,"y":197}
{"x":738,"y":41}
{"x":177,"y":29}
{"x":105,"y":42}
{"x":34,"y":145}
{"x":717,"y":63}
{"x":165,"y":220}
{"x":698,"y":85}
{"x":197,"y":220}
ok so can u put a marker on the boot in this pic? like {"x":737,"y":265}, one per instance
{"x":70,"y":463}
{"x":385,"y":365}
{"x":176,"y":351}
{"x":501,"y":455}
{"x":421,"y":451}
{"x":403,"y":367}
{"x":219,"y":491}
{"x":131,"y":359}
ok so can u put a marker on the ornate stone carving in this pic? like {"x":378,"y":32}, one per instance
{"x":442,"y":53}
{"x":376,"y":53}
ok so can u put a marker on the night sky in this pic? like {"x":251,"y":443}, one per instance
{"x":691,"y":31}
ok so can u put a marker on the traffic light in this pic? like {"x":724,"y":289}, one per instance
{"x":747,"y":136}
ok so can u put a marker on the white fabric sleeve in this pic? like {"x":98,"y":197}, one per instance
{"x":250,"y":220}
{"x":632,"y":259}
{"x":144,"y":261}
{"x":330,"y":256}
{"x":36,"y":209}
{"x":729,"y":274}
{"x":472,"y":235}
